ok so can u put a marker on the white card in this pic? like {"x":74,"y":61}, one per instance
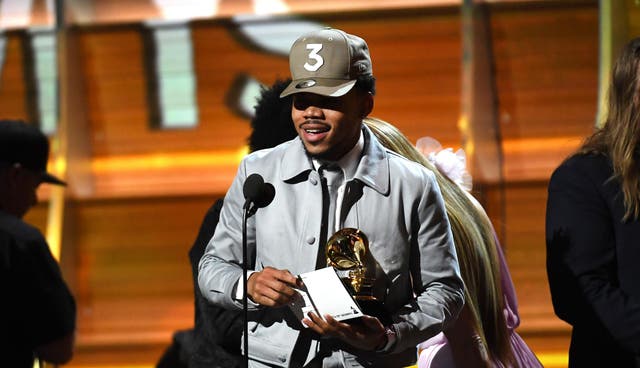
{"x":324,"y":294}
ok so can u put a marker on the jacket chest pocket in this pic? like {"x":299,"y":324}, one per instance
{"x":288,"y":234}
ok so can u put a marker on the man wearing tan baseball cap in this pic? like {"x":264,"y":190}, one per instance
{"x":333,"y":176}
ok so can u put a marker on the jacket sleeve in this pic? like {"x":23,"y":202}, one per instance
{"x":220,"y":267}
{"x":581,"y":255}
{"x":435,"y":272}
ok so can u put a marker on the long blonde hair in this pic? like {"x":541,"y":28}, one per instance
{"x":619,"y":137}
{"x":475,"y":245}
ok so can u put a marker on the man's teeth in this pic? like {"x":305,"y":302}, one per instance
{"x":313,"y":131}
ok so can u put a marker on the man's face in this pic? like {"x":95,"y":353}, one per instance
{"x":22,"y":186}
{"x":330,"y":126}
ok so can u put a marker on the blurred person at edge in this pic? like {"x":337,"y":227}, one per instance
{"x":593,"y":230}
{"x":333,"y":90}
{"x":38,"y":311}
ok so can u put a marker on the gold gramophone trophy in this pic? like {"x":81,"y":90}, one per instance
{"x":348,"y":253}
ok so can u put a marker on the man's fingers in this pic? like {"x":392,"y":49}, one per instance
{"x":283,"y":283}
{"x":314,"y":322}
{"x":271,"y":287}
{"x":321,"y":326}
{"x":328,"y":326}
{"x":364,"y":334}
{"x":371,"y":322}
{"x":265,"y":295}
{"x":283,"y":275}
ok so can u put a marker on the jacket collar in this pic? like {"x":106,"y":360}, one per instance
{"x":294,"y":161}
{"x":372,"y":170}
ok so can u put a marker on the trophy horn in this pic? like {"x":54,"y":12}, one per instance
{"x":347,"y":251}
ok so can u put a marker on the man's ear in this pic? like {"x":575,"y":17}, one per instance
{"x":367,"y":104}
{"x":13,"y":173}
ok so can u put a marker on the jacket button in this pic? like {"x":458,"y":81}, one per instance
{"x":313,"y":181}
{"x":311,"y":239}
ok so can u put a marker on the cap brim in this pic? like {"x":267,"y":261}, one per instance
{"x":319,"y":86}
{"x":48,"y":178}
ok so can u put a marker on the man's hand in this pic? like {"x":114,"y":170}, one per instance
{"x":368,"y":334}
{"x":272,"y":287}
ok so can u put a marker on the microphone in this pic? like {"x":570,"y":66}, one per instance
{"x":257,"y":192}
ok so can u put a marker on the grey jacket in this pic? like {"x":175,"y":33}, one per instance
{"x":394,"y":201}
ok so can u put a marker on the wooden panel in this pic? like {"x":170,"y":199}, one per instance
{"x":116,"y":96}
{"x":417,"y":63}
{"x":524,"y":242}
{"x":547,"y":62}
{"x":134,"y":273}
{"x":521,"y":226}
{"x":110,"y":11}
{"x":37,"y":216}
{"x":478,"y":111}
{"x":633,"y":20}
{"x":12,"y":83}
{"x":546,"y":70}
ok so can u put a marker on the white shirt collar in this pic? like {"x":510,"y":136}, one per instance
{"x":349,"y":162}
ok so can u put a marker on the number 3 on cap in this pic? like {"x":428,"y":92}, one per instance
{"x":313,"y":55}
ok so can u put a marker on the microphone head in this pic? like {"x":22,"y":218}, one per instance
{"x":252,"y":188}
{"x":267,"y":195}
{"x":257,"y":191}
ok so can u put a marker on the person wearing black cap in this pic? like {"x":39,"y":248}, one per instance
{"x":38,"y":312}
{"x":411,"y":256}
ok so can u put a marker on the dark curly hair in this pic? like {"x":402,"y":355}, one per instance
{"x":272,"y":122}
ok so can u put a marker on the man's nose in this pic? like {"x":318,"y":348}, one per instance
{"x":312,"y":111}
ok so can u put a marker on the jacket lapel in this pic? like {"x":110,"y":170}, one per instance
{"x":373,"y":169}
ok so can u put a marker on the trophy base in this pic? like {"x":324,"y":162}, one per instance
{"x":374,"y":308}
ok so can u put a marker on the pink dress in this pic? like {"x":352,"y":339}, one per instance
{"x":436,"y":353}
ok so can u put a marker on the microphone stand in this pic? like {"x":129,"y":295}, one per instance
{"x":249,"y":210}
{"x":257,"y":194}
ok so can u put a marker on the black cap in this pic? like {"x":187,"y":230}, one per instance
{"x":24,"y":144}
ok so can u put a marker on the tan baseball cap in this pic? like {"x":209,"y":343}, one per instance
{"x":327,"y":62}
